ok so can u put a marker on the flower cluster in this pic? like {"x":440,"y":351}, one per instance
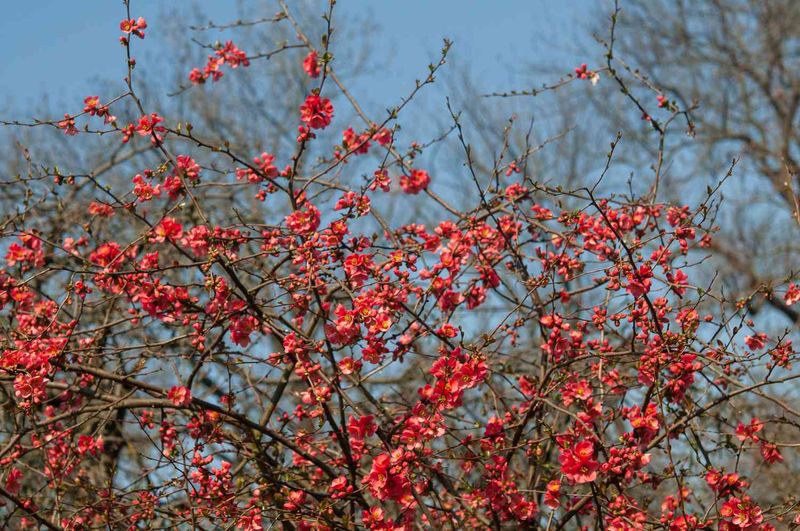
{"x":229,"y":54}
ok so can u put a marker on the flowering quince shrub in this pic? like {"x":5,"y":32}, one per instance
{"x":535,"y":358}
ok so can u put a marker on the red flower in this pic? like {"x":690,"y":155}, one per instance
{"x":13,"y":484}
{"x":356,"y":143}
{"x":770,"y":453}
{"x":316,"y":112}
{"x":578,"y":464}
{"x":229,"y":54}
{"x":744,"y":432}
{"x":196,"y":76}
{"x":552,"y":493}
{"x":148,"y":126}
{"x":388,"y":477}
{"x":678,"y":281}
{"x":304,"y":220}
{"x":168,"y":229}
{"x":295,"y":500}
{"x":725,"y":484}
{"x":583,"y":71}
{"x":640,"y":281}
{"x":742,"y":512}
{"x":188,"y":167}
{"x":106,"y":254}
{"x":88,"y":444}
{"x":339,"y":488}
{"x":144,"y":190}
{"x":362,"y":427}
{"x":91,"y":103}
{"x":68,"y":125}
{"x":232,"y":55}
{"x":381,"y":181}
{"x":756,"y":342}
{"x":264,"y":163}
{"x":792,"y":294}
{"x":416,"y":182}
{"x":645,"y":425}
{"x":383,"y":137}
{"x":310,"y":64}
{"x":100,"y":209}
{"x":180,"y":396}
{"x":135,"y":27}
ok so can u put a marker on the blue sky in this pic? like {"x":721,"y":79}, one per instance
{"x":61,"y":49}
